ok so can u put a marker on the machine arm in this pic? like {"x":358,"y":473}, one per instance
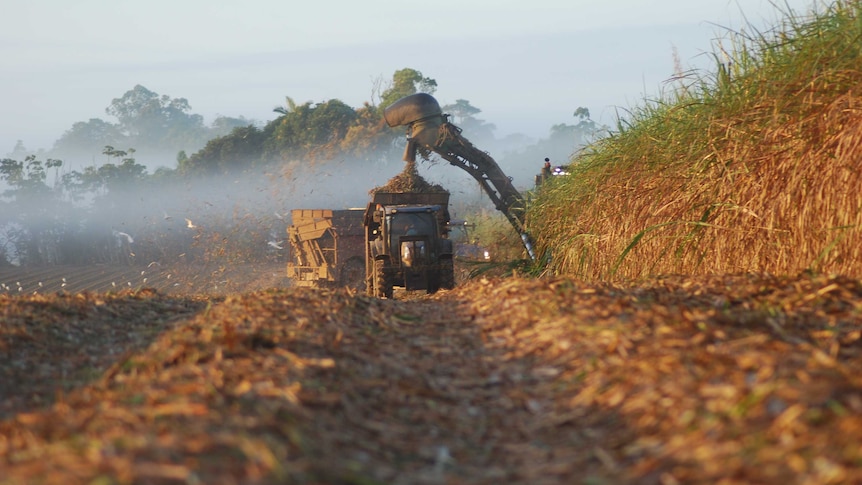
{"x":428,"y":129}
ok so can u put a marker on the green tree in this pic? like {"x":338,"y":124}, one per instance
{"x":117,"y":178}
{"x":463,"y":114}
{"x":20,"y":151}
{"x":313,"y":130}
{"x":241,"y":149}
{"x":461,"y":110}
{"x":405,"y":82}
{"x":31,"y":210}
{"x":151,"y":120}
{"x":577,"y":135}
{"x":370,"y":138}
{"x":89,"y":137}
{"x":289,"y":106}
{"x":108,"y":182}
{"x":224,"y":125}
{"x":26,"y":179}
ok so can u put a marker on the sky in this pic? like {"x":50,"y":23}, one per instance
{"x":526,"y":65}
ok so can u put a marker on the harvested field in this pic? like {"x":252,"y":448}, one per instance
{"x":726,"y":379}
{"x":186,"y":279}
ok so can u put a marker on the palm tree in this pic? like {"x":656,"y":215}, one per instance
{"x":290,"y":106}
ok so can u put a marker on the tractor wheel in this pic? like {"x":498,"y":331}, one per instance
{"x":447,"y":274}
{"x":382,"y":283}
{"x":433,"y":283}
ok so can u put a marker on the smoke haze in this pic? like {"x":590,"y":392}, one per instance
{"x":230,"y":218}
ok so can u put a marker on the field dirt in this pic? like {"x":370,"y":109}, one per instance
{"x":177,"y":279}
{"x":711,"y":379}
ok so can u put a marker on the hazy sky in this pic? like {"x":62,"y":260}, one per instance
{"x":526,"y":64}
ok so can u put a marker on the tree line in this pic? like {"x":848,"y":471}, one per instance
{"x":53,"y":214}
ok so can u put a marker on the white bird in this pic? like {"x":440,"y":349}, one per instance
{"x":118,"y":234}
{"x":190,"y":224}
{"x":442,"y":459}
{"x":167,"y":217}
{"x":276,"y":245}
{"x":281,"y":217}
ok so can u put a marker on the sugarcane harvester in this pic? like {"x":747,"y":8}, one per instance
{"x":428,"y":130}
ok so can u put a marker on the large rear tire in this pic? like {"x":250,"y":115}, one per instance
{"x":447,"y":274}
{"x":433,"y":282}
{"x":382,"y":283}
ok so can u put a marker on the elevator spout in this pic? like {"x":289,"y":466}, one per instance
{"x":429,"y":129}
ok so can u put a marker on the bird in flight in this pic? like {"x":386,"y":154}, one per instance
{"x":119,"y":234}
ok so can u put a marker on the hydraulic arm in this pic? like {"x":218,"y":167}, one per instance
{"x":428,"y":129}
